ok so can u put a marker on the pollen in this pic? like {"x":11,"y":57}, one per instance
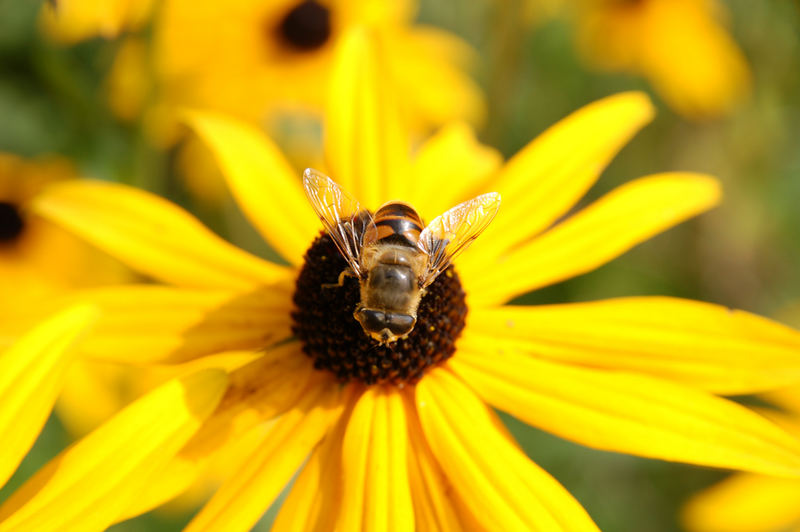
{"x":306,"y":27}
{"x":11,"y":222}
{"x":323,"y":322}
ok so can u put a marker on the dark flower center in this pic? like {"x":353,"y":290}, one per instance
{"x":11,"y":222}
{"x":306,"y":27}
{"x":323,"y":322}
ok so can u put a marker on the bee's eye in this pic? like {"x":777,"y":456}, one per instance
{"x":371,"y":320}
{"x":400,"y":324}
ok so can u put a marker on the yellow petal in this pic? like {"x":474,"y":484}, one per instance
{"x":153,"y":236}
{"x":240,"y":501}
{"x":31,"y":375}
{"x":376,"y":490}
{"x":452,"y":155}
{"x":629,"y":413}
{"x":707,"y":346}
{"x":745,"y":503}
{"x":175,"y":478}
{"x":607,"y":228}
{"x":309,"y":505}
{"x":503,"y":487}
{"x":787,"y":398}
{"x":257,"y":392}
{"x":95,"y":389}
{"x":436,"y":504}
{"x":365,"y":147}
{"x":264,"y":184}
{"x":145,"y":324}
{"x":544,"y":180}
{"x":89,"y":484}
{"x":316,"y":496}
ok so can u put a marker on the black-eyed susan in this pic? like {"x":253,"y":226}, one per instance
{"x":255,"y":59}
{"x":682,"y":47}
{"x":29,"y":244}
{"x":420,"y":447}
{"x":748,"y":502}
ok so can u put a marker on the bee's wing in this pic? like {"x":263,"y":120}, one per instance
{"x":453,"y":232}
{"x":341,"y":215}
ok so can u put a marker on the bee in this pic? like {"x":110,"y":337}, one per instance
{"x":391,"y":254}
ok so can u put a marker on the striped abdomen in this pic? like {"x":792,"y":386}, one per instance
{"x":397,"y":223}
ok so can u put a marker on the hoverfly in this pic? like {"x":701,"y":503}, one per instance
{"x":390,"y":253}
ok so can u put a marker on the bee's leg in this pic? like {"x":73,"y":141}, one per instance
{"x":347,"y":272}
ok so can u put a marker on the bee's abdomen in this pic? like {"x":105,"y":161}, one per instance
{"x":398,"y":223}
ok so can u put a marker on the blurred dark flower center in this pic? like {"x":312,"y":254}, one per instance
{"x":306,"y":27}
{"x":11,"y":222}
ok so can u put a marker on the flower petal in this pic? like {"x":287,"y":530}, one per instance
{"x":436,"y":504}
{"x":242,"y":498}
{"x":745,"y":503}
{"x":707,"y":346}
{"x":144,"y":324}
{"x":365,"y":147}
{"x":452,"y":155}
{"x":264,"y":184}
{"x":166,"y":484}
{"x":153,"y":236}
{"x":376,"y":488}
{"x":31,"y":375}
{"x":314,"y":501}
{"x":315,"y":498}
{"x":629,"y":413}
{"x":612,"y":225}
{"x":544,"y":180}
{"x":86,"y":486}
{"x":257,"y":392}
{"x":503,"y":487}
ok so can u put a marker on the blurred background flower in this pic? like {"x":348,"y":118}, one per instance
{"x":38,"y":259}
{"x":98,"y":91}
{"x":267,"y":62}
{"x":682,"y":47}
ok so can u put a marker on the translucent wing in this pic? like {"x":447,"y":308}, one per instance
{"x":453,"y":232}
{"x":341,"y":215}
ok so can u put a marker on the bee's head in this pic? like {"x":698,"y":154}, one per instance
{"x":385,"y":327}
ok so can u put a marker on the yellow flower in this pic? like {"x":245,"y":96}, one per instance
{"x":747,"y":502}
{"x":75,"y":20}
{"x":28,"y":244}
{"x":680,"y":46}
{"x":253,"y":58}
{"x":635,"y":375}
